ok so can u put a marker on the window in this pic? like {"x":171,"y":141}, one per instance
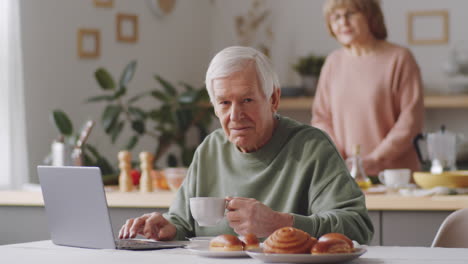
{"x":13,"y":154}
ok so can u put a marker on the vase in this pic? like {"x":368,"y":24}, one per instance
{"x":309,"y":82}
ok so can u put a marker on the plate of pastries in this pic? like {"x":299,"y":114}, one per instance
{"x":227,"y":246}
{"x":292,"y":245}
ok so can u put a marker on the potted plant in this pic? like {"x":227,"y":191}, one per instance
{"x":167,"y":124}
{"x":309,"y":67}
{"x":63,"y":147}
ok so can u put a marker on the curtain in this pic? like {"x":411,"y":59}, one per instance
{"x":13,"y":152}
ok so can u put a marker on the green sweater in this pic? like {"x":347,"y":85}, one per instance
{"x":299,"y":171}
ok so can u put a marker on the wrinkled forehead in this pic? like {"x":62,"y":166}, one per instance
{"x":247,"y":76}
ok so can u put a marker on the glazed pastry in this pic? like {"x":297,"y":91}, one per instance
{"x":333,"y":243}
{"x":226,"y":243}
{"x":337,"y":236}
{"x":250,"y":241}
{"x":289,"y":240}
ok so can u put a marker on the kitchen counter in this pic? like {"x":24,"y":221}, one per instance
{"x":416,"y":218}
{"x":163,"y":199}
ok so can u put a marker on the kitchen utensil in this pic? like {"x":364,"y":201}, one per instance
{"x":77,"y":153}
{"x":439,"y":149}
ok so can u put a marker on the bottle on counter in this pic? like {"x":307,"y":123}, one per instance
{"x":356,"y":169}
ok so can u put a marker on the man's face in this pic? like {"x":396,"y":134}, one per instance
{"x":244,"y":112}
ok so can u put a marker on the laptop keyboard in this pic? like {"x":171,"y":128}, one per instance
{"x":144,"y":244}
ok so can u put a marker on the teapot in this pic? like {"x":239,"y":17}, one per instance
{"x":439,"y":149}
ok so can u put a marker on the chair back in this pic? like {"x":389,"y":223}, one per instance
{"x":453,"y":232}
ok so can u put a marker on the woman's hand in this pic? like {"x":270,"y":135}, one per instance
{"x":371,"y":166}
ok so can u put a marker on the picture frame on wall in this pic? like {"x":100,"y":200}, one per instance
{"x":428,"y":27}
{"x":103,"y":3}
{"x":127,"y":28}
{"x":88,"y":43}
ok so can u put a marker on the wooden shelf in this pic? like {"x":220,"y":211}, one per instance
{"x":430,"y":102}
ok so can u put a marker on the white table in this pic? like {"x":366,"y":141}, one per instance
{"x":46,"y":252}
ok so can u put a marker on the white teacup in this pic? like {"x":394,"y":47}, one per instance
{"x":395,"y":178}
{"x":207,"y":211}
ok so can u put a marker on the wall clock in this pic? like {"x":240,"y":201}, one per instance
{"x":162,"y":8}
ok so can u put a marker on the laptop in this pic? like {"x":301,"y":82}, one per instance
{"x":77,"y":213}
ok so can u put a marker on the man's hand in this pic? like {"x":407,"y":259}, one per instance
{"x":152,"y":226}
{"x":248,"y":215}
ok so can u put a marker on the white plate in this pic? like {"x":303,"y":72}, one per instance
{"x":305,"y":258}
{"x":206,"y":252}
{"x":201,"y":238}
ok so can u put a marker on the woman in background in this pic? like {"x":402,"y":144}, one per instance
{"x":370,"y":91}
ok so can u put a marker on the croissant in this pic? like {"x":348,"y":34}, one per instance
{"x":226,"y":243}
{"x":333,"y":243}
{"x":289,"y":240}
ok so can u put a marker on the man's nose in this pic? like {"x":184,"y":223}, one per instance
{"x":236,"y":112}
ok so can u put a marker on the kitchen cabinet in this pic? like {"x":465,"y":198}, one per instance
{"x":398,"y":220}
{"x":430,"y":102}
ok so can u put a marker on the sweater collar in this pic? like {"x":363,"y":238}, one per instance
{"x":269,"y":151}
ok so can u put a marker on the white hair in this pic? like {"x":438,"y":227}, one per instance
{"x":236,"y":58}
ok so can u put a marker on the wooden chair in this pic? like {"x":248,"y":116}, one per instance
{"x":453,"y":232}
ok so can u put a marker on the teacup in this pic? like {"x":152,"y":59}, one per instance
{"x":395,"y":178}
{"x":207,"y":211}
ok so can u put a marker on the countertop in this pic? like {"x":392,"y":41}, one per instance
{"x":163,"y":199}
{"x":46,"y":252}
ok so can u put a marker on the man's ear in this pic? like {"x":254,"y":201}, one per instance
{"x":274,"y":99}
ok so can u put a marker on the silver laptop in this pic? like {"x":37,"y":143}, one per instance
{"x":77,"y":213}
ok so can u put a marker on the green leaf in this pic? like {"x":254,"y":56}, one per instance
{"x":155,"y":115}
{"x":160,"y":96}
{"x":188,"y":97}
{"x":137,"y":112}
{"x":104,"y":79}
{"x":62,"y":122}
{"x":121,"y":92}
{"x":104,"y":165}
{"x":128,"y":73}
{"x":167,"y":86}
{"x":187,"y":86}
{"x":138,"y":97}
{"x":138,"y":126}
{"x":100,"y":98}
{"x":92,"y":150}
{"x":184,"y":118}
{"x":132,"y":142}
{"x":115,"y":133}
{"x":203,"y":95}
{"x":110,"y":116}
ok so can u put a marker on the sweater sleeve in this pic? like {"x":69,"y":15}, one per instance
{"x":179,"y":211}
{"x":321,"y":112}
{"x":336,"y":203}
{"x":408,"y":97}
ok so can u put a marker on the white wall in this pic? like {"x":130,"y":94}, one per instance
{"x":180,"y":46}
{"x":175,"y":47}
{"x":299,"y":29}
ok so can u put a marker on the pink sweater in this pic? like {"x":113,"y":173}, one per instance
{"x":374,"y":100}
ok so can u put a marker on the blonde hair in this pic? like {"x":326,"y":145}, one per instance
{"x":369,"y":8}
{"x":234,"y":59}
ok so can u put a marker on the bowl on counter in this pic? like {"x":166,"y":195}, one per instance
{"x":451,"y":179}
{"x":175,"y":177}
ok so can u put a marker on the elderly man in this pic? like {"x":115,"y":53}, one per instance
{"x":275,"y":171}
